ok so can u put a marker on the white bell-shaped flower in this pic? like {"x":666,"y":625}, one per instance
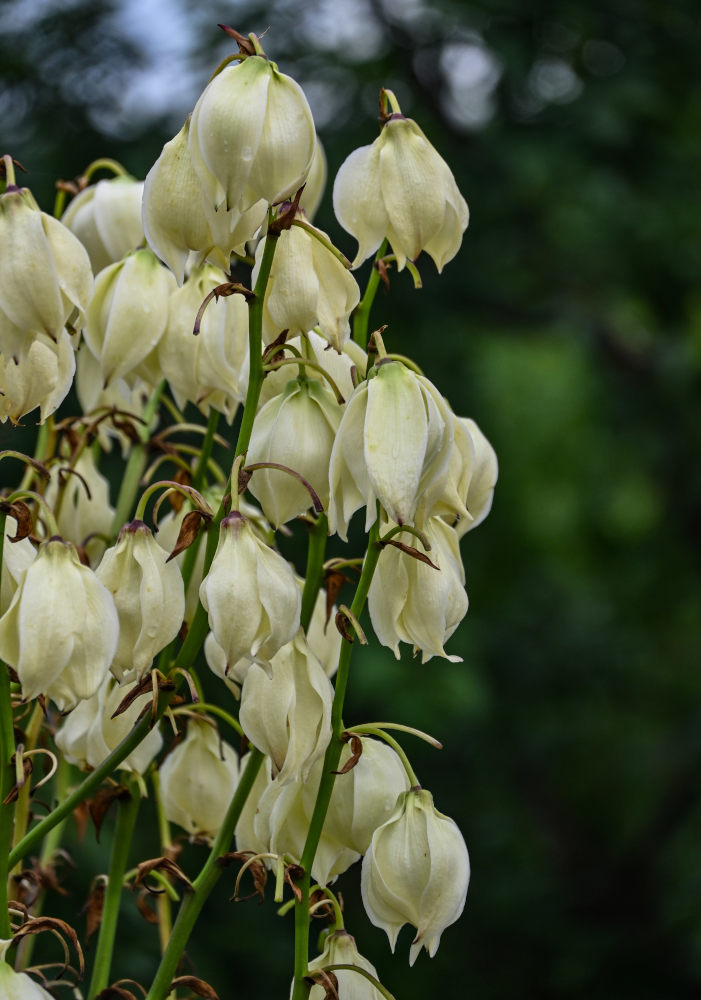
{"x":128,"y":312}
{"x":483,"y":478}
{"x":362,"y":798}
{"x":198,"y":780}
{"x":39,"y":373}
{"x":287,"y":714}
{"x":411,"y":601}
{"x":106,"y":218}
{"x":416,"y":871}
{"x":394,"y":439}
{"x":252,"y":136}
{"x":174,"y":218}
{"x":401,"y":189}
{"x":45,"y":274}
{"x":275,"y":819}
{"x":340,"y":949}
{"x":60,"y":632}
{"x":295,"y":429}
{"x":89,"y":733}
{"x":250,"y":594}
{"x":206,"y":369}
{"x":308,"y":287}
{"x":149,"y":595}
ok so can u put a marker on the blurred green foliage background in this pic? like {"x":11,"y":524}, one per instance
{"x":569,"y":327}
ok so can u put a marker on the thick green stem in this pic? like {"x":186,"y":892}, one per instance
{"x":128,"y":808}
{"x":204,"y":883}
{"x":333,"y":754}
{"x":361,"y":315}
{"x":315,"y":568}
{"x":136,"y":464}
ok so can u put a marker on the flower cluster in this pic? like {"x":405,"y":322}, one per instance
{"x":110,"y":623}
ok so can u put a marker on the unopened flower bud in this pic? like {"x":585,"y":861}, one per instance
{"x":198,"y":780}
{"x":61,"y":629}
{"x":250,"y":594}
{"x":416,"y":871}
{"x":128,"y":312}
{"x":205,"y":369}
{"x":402,"y":189}
{"x":295,"y":429}
{"x":287,"y":715}
{"x":308,"y":287}
{"x":394,"y":439}
{"x":412,"y":601}
{"x":106,"y":218}
{"x":340,"y":949}
{"x":45,"y":275}
{"x":251,"y":136}
{"x":149,"y":596}
{"x":89,"y":733}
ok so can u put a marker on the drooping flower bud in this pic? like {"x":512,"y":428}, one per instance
{"x":205,"y":369}
{"x":198,"y":780}
{"x":295,"y":429}
{"x":394,"y":439}
{"x":251,"y":136}
{"x":411,"y":601}
{"x":149,"y":596}
{"x":416,"y":871}
{"x":402,"y":189}
{"x":106,"y":218}
{"x":89,"y":733}
{"x":362,"y":798}
{"x":308,"y":287}
{"x":250,"y":594}
{"x":45,"y":275}
{"x":128,"y":312}
{"x":340,"y":949}
{"x":287,"y":714}
{"x":61,"y":629}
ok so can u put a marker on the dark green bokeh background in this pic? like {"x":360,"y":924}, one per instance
{"x":569,"y":327}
